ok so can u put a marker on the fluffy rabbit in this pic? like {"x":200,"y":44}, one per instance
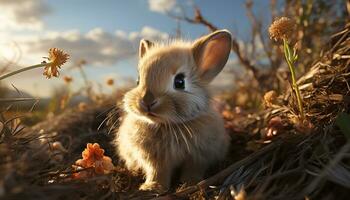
{"x":169,"y":122}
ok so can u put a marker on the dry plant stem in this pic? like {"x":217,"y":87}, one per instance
{"x":83,"y":74}
{"x":23,"y":69}
{"x":17,"y":99}
{"x":69,"y":95}
{"x":86,"y":80}
{"x":290,"y":62}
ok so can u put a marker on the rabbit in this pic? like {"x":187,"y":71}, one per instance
{"x":169,"y":122}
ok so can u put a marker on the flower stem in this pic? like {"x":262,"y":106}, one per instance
{"x":22,"y":70}
{"x":290,"y":61}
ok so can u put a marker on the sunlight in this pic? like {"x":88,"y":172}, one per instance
{"x":184,"y":99}
{"x":9,"y":52}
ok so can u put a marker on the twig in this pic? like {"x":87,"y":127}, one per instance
{"x":199,"y":19}
{"x":257,"y":31}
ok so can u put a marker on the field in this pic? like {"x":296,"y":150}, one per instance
{"x":286,"y":111}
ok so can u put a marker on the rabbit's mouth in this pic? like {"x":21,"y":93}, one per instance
{"x":151,"y":114}
{"x":148,"y":113}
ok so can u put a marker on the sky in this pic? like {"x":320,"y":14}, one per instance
{"x":105,"y":33}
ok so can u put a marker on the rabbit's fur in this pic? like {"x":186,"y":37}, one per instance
{"x":177,"y":128}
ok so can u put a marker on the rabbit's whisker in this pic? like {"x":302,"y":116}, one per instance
{"x":172,"y":131}
{"x":183,"y":123}
{"x":184,"y":137}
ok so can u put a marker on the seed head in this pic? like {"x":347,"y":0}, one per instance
{"x":281,"y":28}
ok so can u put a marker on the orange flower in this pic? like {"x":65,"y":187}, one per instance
{"x":281,"y":28}
{"x":56,"y":59}
{"x":93,"y":157}
{"x":227,"y":114}
{"x":67,"y":79}
{"x":110,"y":81}
{"x":92,"y":153}
{"x":104,"y":166}
{"x":82,"y":106}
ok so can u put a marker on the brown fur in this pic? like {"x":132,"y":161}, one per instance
{"x":182,"y":129}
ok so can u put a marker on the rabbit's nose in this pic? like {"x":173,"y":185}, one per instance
{"x":148,"y":101}
{"x":147,"y":106}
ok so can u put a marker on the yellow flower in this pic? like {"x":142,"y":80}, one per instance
{"x":281,"y":28}
{"x":57,"y":58}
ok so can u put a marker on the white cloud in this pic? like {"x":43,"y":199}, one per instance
{"x":23,"y":39}
{"x":226,"y":77}
{"x":22,"y":14}
{"x":97,"y":46}
{"x":151,"y":33}
{"x":161,"y":6}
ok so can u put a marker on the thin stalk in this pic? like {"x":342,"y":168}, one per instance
{"x":17,"y":99}
{"x":69,"y":95}
{"x":295,"y":86}
{"x":86,"y":81}
{"x":83,"y":74}
{"x":22,"y":70}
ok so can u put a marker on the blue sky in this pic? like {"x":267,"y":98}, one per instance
{"x":132,"y":15}
{"x":84,"y":27}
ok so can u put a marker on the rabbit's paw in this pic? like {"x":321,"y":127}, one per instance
{"x":152,"y":186}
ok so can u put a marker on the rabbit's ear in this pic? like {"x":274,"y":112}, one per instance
{"x":145,"y":45}
{"x":211,"y":53}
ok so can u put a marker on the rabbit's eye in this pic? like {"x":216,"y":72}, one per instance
{"x":179,"y":81}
